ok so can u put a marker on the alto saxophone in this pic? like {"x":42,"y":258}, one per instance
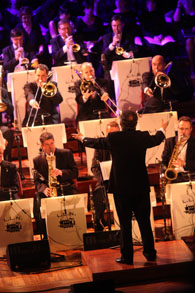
{"x":171,"y":172}
{"x":52,"y":181}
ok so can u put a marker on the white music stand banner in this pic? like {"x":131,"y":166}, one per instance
{"x":15,"y":85}
{"x":151,"y":123}
{"x":94,"y":128}
{"x":127,"y":76}
{"x":15,"y":223}
{"x":182,"y":199}
{"x":31,"y":140}
{"x":136,"y":235}
{"x":66,"y":221}
{"x":146,"y":122}
{"x":65,"y":77}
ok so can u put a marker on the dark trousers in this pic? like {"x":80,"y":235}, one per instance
{"x":140,"y":205}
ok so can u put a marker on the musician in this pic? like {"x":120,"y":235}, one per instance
{"x":99,"y":195}
{"x":129,"y":180}
{"x":45,"y":107}
{"x":119,"y":37}
{"x":90,"y":100}
{"x":8,"y":178}
{"x":14,"y":53}
{"x":62,"y":50}
{"x":185,"y":161}
{"x":156,"y":99}
{"x":6,"y":115}
{"x":65,"y":172}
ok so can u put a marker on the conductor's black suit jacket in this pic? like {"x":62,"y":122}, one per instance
{"x":128,"y":149}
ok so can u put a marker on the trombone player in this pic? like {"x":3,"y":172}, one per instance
{"x":42,"y":99}
{"x":163,"y":85}
{"x":66,"y":47}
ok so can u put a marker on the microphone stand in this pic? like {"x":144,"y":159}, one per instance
{"x":19,"y":152}
{"x":107,"y":201}
{"x":162,"y":191}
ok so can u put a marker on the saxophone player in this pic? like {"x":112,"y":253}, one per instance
{"x":65,"y":171}
{"x":185,"y":159}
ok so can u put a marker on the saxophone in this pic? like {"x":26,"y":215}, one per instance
{"x":52,"y":181}
{"x":170,"y":172}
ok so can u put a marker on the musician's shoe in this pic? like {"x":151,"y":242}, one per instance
{"x":150,"y":256}
{"x":123,"y":260}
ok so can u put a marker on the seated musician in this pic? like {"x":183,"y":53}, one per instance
{"x":6,"y":111}
{"x":164,"y":86}
{"x":179,"y":151}
{"x":41,"y":107}
{"x":90,"y":99}
{"x":53,"y":179}
{"x":8,"y":178}
{"x":99,"y":200}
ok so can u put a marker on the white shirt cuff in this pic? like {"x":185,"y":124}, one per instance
{"x":31,"y":102}
{"x":161,"y":129}
{"x":84,"y":99}
{"x":111,"y":47}
{"x":65,"y":48}
{"x":145,"y":90}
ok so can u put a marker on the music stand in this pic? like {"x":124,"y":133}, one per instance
{"x":105,"y":168}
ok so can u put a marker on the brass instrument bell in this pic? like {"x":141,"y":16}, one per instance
{"x":49,"y":90}
{"x":162,"y":80}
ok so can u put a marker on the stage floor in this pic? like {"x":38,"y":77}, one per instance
{"x":174,"y":258}
{"x":174,"y":261}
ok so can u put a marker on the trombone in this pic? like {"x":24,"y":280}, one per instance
{"x":102,"y":91}
{"x":48,"y":90}
{"x":88,"y":84}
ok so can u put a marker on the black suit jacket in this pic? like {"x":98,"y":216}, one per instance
{"x":89,"y":110}
{"x":47,"y":105}
{"x":190,"y":152}
{"x":10,"y":62}
{"x":128,"y":149}
{"x":127,"y":43}
{"x":7,"y":100}
{"x":9,"y":179}
{"x":58,"y":55}
{"x":64,"y":161}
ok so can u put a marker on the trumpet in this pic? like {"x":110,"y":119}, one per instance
{"x":119,"y":50}
{"x":75,"y":47}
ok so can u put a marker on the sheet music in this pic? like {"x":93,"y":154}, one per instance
{"x":105,"y":169}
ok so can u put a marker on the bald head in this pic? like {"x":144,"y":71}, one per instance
{"x":158,"y":64}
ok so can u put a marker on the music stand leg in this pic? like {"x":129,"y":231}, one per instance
{"x":19,"y":156}
{"x":166,"y":237}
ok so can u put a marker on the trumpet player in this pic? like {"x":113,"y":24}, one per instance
{"x":17,"y":52}
{"x":118,"y":44}
{"x":185,"y":161}
{"x":40,"y":108}
{"x":66,"y":47}
{"x":177,"y":86}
